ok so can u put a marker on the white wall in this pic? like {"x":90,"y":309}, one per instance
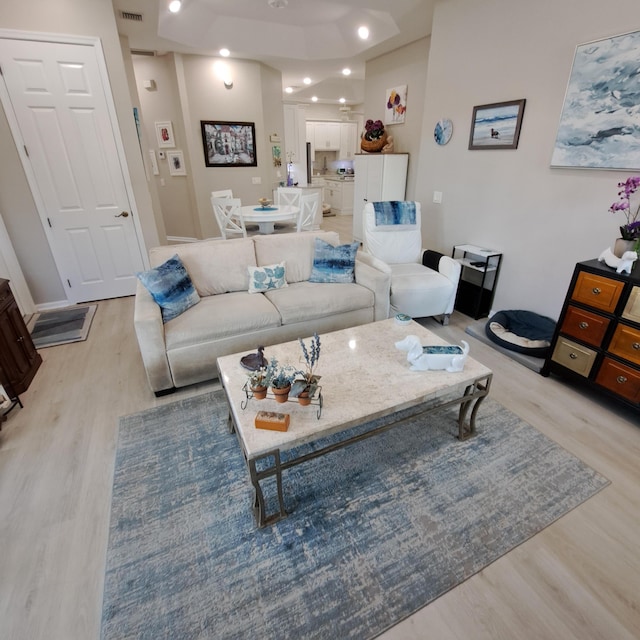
{"x":543,"y":219}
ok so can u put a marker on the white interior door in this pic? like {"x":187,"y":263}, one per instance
{"x":61,"y":107}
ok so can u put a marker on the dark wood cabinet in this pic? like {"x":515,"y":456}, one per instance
{"x":597,"y":340}
{"x":19,"y":359}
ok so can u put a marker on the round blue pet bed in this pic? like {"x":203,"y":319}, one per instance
{"x":521,"y":331}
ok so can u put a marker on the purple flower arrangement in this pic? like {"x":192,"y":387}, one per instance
{"x":631,"y":230}
{"x":373,"y":130}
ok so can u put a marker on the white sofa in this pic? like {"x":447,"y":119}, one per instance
{"x":229,"y":319}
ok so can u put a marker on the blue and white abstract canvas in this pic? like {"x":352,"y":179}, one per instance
{"x":600,"y":122}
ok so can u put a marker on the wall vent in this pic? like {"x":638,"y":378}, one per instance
{"x":129,"y":15}
{"x":142,"y":52}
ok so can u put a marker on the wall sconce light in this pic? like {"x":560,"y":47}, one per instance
{"x":223,"y":72}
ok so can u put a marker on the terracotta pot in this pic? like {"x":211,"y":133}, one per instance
{"x":259,"y":393}
{"x":281,"y":395}
{"x":304,"y":399}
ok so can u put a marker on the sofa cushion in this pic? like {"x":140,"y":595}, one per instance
{"x":263,"y":279}
{"x":333,"y":264}
{"x":295,"y":249}
{"x":302,"y":301}
{"x":170,"y":286}
{"x":215,"y":266}
{"x":221,"y":316}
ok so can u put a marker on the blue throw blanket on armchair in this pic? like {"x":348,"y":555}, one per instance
{"x":395,"y":212}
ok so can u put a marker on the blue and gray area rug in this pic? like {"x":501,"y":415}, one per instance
{"x":377,"y":530}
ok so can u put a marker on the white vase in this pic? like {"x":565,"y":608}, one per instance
{"x":623,"y":245}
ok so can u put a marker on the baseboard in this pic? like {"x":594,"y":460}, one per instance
{"x":180,"y":240}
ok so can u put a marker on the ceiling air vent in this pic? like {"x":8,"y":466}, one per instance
{"x":129,"y":15}
{"x":142,"y":52}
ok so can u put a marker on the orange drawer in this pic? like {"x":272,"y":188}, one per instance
{"x":587,"y":326}
{"x":597,"y":291}
{"x":622,"y":380}
{"x":626,"y":343}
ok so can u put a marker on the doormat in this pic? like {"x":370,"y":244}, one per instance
{"x":375,"y":531}
{"x":62,"y":326}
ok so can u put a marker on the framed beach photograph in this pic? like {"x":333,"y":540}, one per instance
{"x":164,"y":135}
{"x":229,"y":144}
{"x":599,"y":126}
{"x":497,"y":125}
{"x":176,"y":163}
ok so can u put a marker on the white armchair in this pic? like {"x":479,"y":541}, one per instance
{"x":423,"y":283}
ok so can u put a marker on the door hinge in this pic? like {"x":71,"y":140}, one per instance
{"x":1,"y":74}
{"x":69,"y":283}
{"x":49,"y":221}
{"x":26,"y":150}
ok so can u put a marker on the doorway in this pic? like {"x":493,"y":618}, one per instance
{"x":57,"y":98}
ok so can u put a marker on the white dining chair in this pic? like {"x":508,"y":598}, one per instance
{"x":229,"y":217}
{"x":288,"y":196}
{"x":308,"y":211}
{"x":222,"y":193}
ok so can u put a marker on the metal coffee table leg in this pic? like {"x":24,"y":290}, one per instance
{"x":259,"y":505}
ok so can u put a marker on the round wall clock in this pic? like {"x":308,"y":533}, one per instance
{"x":443,"y":130}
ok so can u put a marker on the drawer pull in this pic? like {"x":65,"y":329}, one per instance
{"x":596,"y":291}
{"x":636,"y":345}
{"x":621,"y":379}
{"x":573,"y":356}
{"x":583,"y":325}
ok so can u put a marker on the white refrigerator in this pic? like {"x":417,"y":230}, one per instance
{"x":378,"y":177}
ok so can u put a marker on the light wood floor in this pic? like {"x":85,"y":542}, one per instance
{"x":578,"y":579}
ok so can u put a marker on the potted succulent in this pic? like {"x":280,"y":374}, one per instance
{"x":260,"y":379}
{"x":283,"y":376}
{"x":305,"y":386}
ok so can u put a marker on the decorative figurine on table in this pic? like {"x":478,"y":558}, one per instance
{"x":625,"y":263}
{"x":450,"y":357}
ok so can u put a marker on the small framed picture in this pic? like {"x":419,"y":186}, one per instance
{"x":176,"y":163}
{"x":497,"y":125}
{"x":164,"y":135}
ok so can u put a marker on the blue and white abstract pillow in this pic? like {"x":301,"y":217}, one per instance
{"x":267,"y":278}
{"x":333,"y":264}
{"x":395,"y":213}
{"x":170,"y":286}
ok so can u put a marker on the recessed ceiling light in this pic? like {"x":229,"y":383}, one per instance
{"x":174,"y":6}
{"x":346,"y":72}
{"x":225,"y":53}
{"x":342,"y":100}
{"x":307,"y":81}
{"x":289,"y":90}
{"x":314,"y":98}
{"x":363,"y":32}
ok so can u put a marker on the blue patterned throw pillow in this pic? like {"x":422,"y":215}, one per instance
{"x":170,"y":286}
{"x":267,"y":278}
{"x":333,"y":264}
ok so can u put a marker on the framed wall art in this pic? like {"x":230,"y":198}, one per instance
{"x":229,"y":144}
{"x":176,"y":163}
{"x":599,"y":124}
{"x":164,"y":135}
{"x":396,"y":105}
{"x":497,"y":125}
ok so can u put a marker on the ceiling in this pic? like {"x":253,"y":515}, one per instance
{"x":306,"y":38}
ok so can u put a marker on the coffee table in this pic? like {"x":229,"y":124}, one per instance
{"x":364,"y":377}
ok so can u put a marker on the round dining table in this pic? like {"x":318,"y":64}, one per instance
{"x":265,"y":217}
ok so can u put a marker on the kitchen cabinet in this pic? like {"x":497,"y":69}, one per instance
{"x":348,"y":140}
{"x":338,"y":195}
{"x":378,"y":177}
{"x":311,"y":139}
{"x":19,"y":359}
{"x":597,"y":339}
{"x":327,"y":136}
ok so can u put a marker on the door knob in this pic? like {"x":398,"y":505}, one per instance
{"x":123,"y":214}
